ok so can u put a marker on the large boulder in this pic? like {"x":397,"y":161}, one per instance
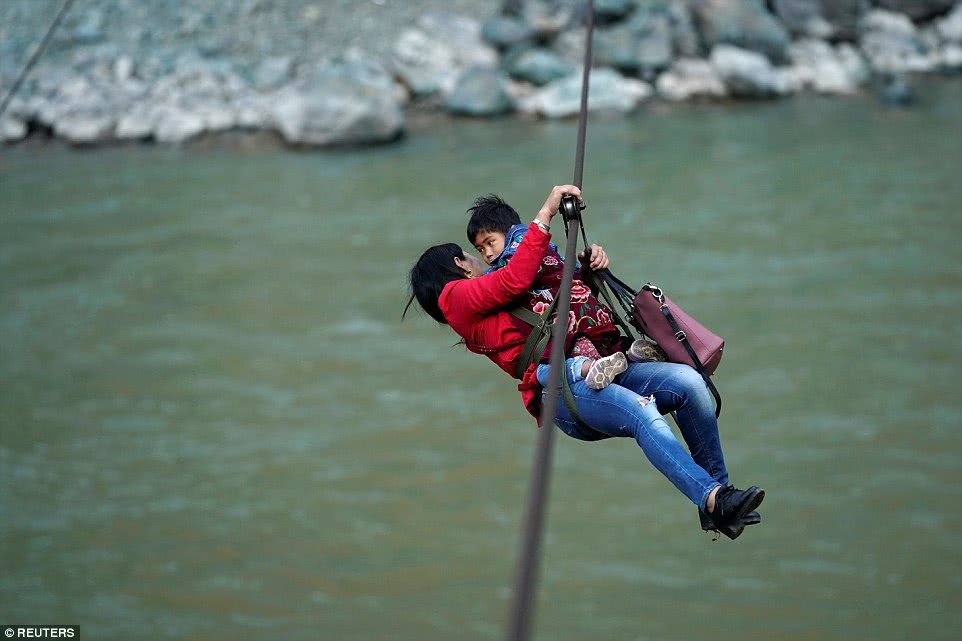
{"x":742,"y":23}
{"x":916,"y":9}
{"x":607,"y":91}
{"x":803,"y":18}
{"x":429,"y":58}
{"x":505,"y":32}
{"x":690,"y":78}
{"x":639,"y":46}
{"x":340,"y":103}
{"x":538,"y":66}
{"x":892,"y":43}
{"x":481,"y":91}
{"x":85,"y":127}
{"x":746,"y":74}
{"x":613,"y":10}
{"x":826,"y":70}
{"x":949,"y":28}
{"x":684,"y":35}
{"x":12,"y":129}
{"x":843,"y":15}
{"x":137,"y":123}
{"x":173,"y":124}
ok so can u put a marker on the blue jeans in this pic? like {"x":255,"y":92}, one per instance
{"x":618,"y":410}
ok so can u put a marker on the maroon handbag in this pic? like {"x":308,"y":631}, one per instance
{"x":683,"y":339}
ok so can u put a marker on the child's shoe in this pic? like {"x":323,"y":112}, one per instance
{"x":643,"y":351}
{"x":604,"y":370}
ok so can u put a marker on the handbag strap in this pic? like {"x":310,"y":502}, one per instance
{"x":683,"y":339}
{"x":605,"y":280}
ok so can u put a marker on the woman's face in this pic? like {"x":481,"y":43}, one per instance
{"x":472,"y":266}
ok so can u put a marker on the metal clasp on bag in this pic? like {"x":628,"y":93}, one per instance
{"x":681,"y":335}
{"x":656,"y":292}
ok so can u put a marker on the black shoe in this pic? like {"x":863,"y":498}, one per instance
{"x":731,"y":505}
{"x":731,"y":531}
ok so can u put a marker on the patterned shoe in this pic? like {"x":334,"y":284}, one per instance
{"x":642,"y":351}
{"x":604,"y":370}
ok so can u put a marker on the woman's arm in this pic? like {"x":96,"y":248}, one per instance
{"x":482,"y":295}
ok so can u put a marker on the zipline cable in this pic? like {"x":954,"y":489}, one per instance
{"x":36,"y":55}
{"x":522,"y":602}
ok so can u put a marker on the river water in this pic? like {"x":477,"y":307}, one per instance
{"x":214,"y":425}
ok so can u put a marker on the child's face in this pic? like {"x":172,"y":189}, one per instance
{"x":489,"y":244}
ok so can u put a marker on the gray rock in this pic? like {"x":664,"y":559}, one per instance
{"x":570,"y":45}
{"x":175,"y":125}
{"x":949,"y":28}
{"x":90,"y":26}
{"x":607,"y":91}
{"x":537,"y":66}
{"x":343,"y":103}
{"x":746,"y":74}
{"x":82,"y":128}
{"x":803,"y":18}
{"x":12,"y":129}
{"x":549,"y":18}
{"x":613,"y":10}
{"x":892,"y":44}
{"x":272,"y":72}
{"x":743,"y":23}
{"x":505,"y":32}
{"x":950,"y":57}
{"x":430,"y":58}
{"x":818,"y":66}
{"x":690,"y":78}
{"x":916,"y":9}
{"x":684,"y":36}
{"x":640,"y":46}
{"x":843,"y":15}
{"x":123,"y":69}
{"x":137,"y":123}
{"x":253,"y":112}
{"x":481,"y":91}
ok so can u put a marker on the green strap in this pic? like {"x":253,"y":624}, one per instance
{"x":537,"y":339}
{"x":535,"y":346}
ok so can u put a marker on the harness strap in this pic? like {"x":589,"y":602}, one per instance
{"x":541,"y":334}
{"x":538,"y":338}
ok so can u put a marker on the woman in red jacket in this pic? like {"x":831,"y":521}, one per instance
{"x":453,"y":289}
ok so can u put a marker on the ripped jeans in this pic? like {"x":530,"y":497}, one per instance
{"x":621,"y":410}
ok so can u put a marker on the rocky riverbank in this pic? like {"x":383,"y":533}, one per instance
{"x":123,"y":70}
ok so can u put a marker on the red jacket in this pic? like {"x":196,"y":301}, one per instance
{"x":473,"y":309}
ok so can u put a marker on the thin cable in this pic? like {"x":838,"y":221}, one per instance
{"x":522,"y":603}
{"x":36,"y":55}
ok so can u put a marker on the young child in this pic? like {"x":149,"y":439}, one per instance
{"x":495,"y":230}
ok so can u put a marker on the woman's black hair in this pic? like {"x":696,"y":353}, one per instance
{"x":434,"y":269}
{"x":491,"y":213}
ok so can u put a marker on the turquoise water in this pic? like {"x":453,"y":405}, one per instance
{"x":213,"y":424}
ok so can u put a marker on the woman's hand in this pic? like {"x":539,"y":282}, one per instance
{"x":551,"y":204}
{"x":597,"y":258}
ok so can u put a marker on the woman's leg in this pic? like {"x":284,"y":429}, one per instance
{"x":618,"y":411}
{"x":680,"y":389}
